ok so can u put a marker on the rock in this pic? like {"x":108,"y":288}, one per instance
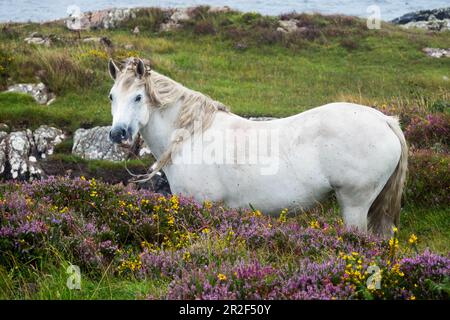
{"x":223,"y":9}
{"x":19,"y":151}
{"x":176,"y":20}
{"x":94,"y":144}
{"x":435,"y":20}
{"x":169,"y":26}
{"x":92,"y":39}
{"x":3,"y":127}
{"x":103,"y":19}
{"x":136,"y":30}
{"x":3,"y":153}
{"x":102,"y":40}
{"x":3,"y":135}
{"x":437,"y":52}
{"x":39,"y":91}
{"x":46,"y":138}
{"x":241,"y":46}
{"x":129,"y":46}
{"x":18,"y":147}
{"x":288,"y":26}
{"x":36,"y":38}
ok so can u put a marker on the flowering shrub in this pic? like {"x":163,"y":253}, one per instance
{"x":433,"y":130}
{"x":206,"y":251}
{"x":428,"y":178}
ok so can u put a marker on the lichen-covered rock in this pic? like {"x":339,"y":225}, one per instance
{"x":3,"y":154}
{"x":19,"y":146}
{"x":46,"y":138}
{"x":38,"y":91}
{"x":94,"y":144}
{"x":20,"y":150}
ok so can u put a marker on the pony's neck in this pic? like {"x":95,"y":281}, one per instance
{"x":158,"y":132}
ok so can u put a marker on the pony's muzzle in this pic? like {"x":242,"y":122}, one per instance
{"x":118,"y":134}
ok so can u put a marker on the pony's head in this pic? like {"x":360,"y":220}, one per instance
{"x":129,"y":100}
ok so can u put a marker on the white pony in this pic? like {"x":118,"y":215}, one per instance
{"x":353,"y":150}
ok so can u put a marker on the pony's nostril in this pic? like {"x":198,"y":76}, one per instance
{"x":124,"y":133}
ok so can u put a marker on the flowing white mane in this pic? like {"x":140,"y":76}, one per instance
{"x":163,"y":92}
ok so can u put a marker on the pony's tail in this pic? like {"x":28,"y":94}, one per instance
{"x":384,"y":213}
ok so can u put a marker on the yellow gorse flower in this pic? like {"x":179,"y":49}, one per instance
{"x":314,"y":224}
{"x":221,"y":277}
{"x":412,"y":239}
{"x":186,"y":256}
{"x":283,"y":215}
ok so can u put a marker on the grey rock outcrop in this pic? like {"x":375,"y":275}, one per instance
{"x":111,"y":18}
{"x":103,"y":19}
{"x":437,"y":52}
{"x":94,"y":144}
{"x":19,"y":151}
{"x":38,"y":91}
{"x":46,"y":138}
{"x":436,"y":19}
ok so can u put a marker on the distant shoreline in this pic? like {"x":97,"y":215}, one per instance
{"x":42,"y":12}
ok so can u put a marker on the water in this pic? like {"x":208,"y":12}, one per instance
{"x":41,"y":10}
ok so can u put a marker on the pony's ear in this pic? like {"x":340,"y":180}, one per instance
{"x":140,"y":68}
{"x":113,"y":69}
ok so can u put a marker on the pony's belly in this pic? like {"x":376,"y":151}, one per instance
{"x":269,"y":194}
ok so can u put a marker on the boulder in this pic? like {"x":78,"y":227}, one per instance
{"x":38,"y":91}
{"x":288,"y":26}
{"x":94,"y":144}
{"x":435,"y":20}
{"x":437,"y":52}
{"x":176,"y":19}
{"x":46,"y":138}
{"x":19,"y":151}
{"x":103,"y":19}
{"x":39,"y":41}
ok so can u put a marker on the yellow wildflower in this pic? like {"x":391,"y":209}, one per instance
{"x":314,"y":224}
{"x":187,"y":256}
{"x":412,"y":239}
{"x":221,"y":277}
{"x":283,"y":215}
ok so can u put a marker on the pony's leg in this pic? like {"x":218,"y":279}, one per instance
{"x":354,"y":207}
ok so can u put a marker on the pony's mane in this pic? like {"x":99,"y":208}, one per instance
{"x":163,"y":92}
{"x":197,"y":106}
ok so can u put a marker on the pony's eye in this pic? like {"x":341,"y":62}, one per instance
{"x":110,"y":97}
{"x":138,"y":98}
